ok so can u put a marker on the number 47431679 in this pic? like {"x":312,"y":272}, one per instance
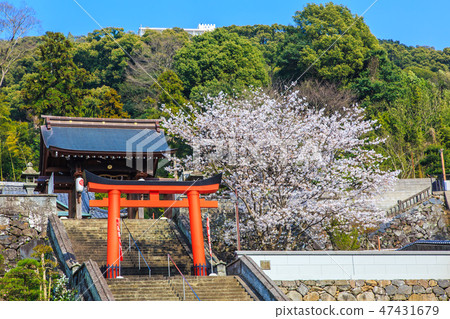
{"x":409,"y":310}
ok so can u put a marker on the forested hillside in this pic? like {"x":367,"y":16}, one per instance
{"x":329,"y":53}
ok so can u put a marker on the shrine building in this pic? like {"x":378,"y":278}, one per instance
{"x":119,"y":149}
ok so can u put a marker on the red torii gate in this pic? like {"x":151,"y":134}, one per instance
{"x":114,"y":188}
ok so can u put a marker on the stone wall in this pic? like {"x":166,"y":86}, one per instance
{"x":23,"y":224}
{"x":366,"y":290}
{"x":427,"y":220}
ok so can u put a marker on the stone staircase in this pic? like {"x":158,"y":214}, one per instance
{"x":403,"y":189}
{"x":155,"y":239}
{"x":211,"y":288}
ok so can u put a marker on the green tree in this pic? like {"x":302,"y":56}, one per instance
{"x":33,"y":280}
{"x":380,"y":84}
{"x":105,"y":54}
{"x":103,"y":102}
{"x":151,"y":58}
{"x":2,"y":266}
{"x":268,"y":39}
{"x":410,"y":123}
{"x":22,"y":282}
{"x":421,"y":57}
{"x":169,"y":90}
{"x":330,"y":41}
{"x":58,"y":86}
{"x":343,"y":239}
{"x":432,"y":161}
{"x":219,"y":61}
{"x":17,"y":140}
{"x":46,"y":269}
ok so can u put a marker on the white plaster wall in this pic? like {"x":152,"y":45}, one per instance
{"x":333,"y":265}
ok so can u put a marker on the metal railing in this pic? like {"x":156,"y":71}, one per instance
{"x":403,"y":205}
{"x":169,"y":259}
{"x":110,"y":271}
{"x":139,"y":251}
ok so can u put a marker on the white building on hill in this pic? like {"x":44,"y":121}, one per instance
{"x":202,"y":28}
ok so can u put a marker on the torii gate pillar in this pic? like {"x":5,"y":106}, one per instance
{"x":112,"y":250}
{"x":195,"y":217}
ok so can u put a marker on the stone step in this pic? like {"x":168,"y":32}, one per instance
{"x":210,"y":288}
{"x":156,"y":289}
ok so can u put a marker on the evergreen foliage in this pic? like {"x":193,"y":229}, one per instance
{"x":35,"y":279}
{"x":330,"y":50}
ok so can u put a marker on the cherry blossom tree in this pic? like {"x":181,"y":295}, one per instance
{"x":295,"y":168}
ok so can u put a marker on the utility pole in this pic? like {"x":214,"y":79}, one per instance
{"x":237,"y":223}
{"x":443,"y":164}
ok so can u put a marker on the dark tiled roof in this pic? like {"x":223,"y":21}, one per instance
{"x":93,"y":212}
{"x":112,"y":140}
{"x":427,"y":245}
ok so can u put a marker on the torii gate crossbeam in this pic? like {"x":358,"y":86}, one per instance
{"x":114,"y":188}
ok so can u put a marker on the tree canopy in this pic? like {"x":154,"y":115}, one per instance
{"x":219,"y":61}
{"x":328,"y":42}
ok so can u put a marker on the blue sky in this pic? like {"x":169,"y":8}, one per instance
{"x":412,"y":22}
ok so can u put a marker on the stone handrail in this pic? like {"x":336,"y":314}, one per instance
{"x":90,"y":283}
{"x":259,"y":283}
{"x":86,"y":278}
{"x":402,"y":205}
{"x":61,"y":245}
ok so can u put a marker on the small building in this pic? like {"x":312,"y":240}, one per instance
{"x":123,"y":149}
{"x":202,"y":28}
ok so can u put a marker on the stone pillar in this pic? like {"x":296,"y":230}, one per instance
{"x":78,"y":206}
{"x":131,"y":210}
{"x":71,"y":204}
{"x":140,"y":210}
{"x":75,"y":206}
{"x":221,"y":268}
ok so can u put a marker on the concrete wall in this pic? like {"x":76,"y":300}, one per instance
{"x":340,"y":265}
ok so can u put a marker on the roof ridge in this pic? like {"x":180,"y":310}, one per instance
{"x":66,"y":121}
